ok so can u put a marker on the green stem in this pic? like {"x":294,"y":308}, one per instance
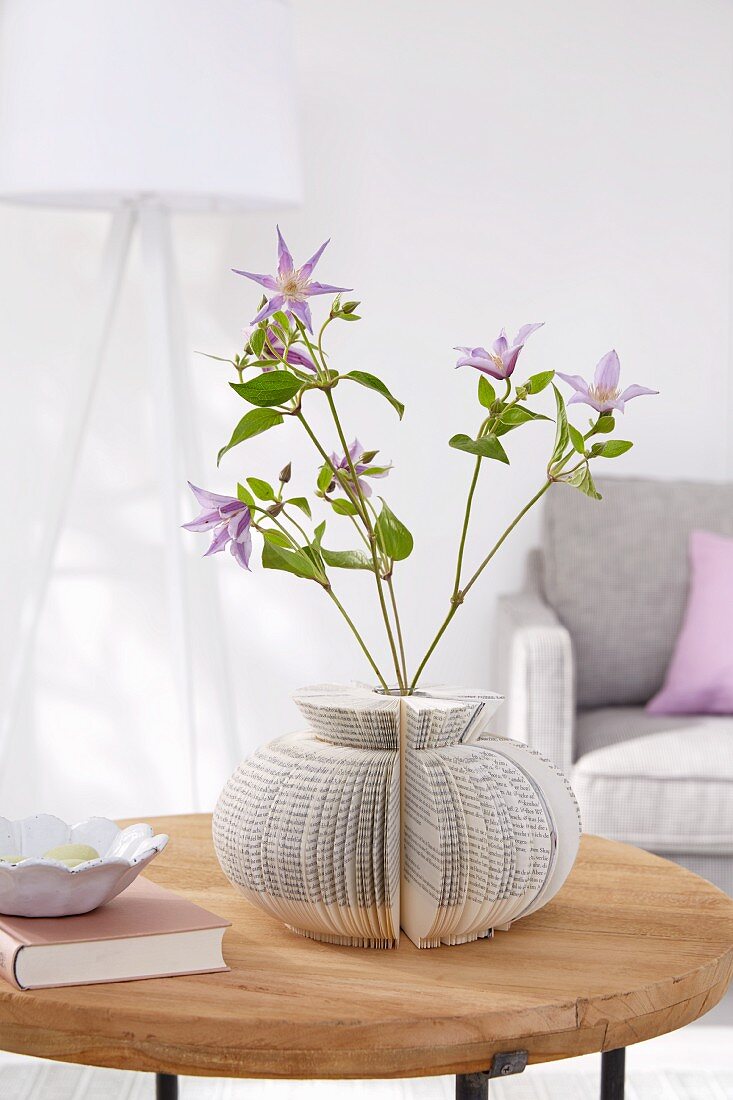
{"x":361,"y":534}
{"x":359,"y":496}
{"x":370,"y":541}
{"x":395,"y":612}
{"x":359,"y":638}
{"x":487,"y":424}
{"x":314,"y":439}
{"x":295,"y":524}
{"x":459,"y":597}
{"x":520,"y":515}
{"x":324,"y":326}
{"x":327,"y":460}
{"x":311,"y":349}
{"x":466,"y":521}
{"x":281,"y":527}
{"x":388,"y":566}
{"x":364,"y":515}
{"x":469,"y":503}
{"x":335,"y":599}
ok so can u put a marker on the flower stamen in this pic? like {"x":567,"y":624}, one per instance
{"x":293,"y":286}
{"x":603,"y":395}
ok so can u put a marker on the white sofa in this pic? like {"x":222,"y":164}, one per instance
{"x":586,"y":644}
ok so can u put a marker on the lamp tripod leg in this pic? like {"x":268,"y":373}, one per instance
{"x":157,"y":260}
{"x":114,"y":258}
{"x":207,"y":580}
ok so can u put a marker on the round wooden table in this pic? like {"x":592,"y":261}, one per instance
{"x":633,"y":946}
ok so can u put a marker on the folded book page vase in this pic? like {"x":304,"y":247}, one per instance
{"x":394,"y":813}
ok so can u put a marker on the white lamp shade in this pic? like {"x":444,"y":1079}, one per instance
{"x":189,"y":102}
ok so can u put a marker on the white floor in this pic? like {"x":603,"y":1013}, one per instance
{"x":695,"y":1063}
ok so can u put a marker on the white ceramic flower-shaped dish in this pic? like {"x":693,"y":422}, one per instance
{"x":42,"y":887}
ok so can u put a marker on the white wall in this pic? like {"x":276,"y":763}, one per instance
{"x":475,"y":164}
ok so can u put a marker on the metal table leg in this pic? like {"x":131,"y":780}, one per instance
{"x":166,"y":1086}
{"x":472,"y":1086}
{"x":613,"y":1072}
{"x":475,"y":1086}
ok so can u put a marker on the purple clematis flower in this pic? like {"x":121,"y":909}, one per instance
{"x":363,"y":469}
{"x":502,"y":359}
{"x":229,"y":519}
{"x":603,"y":394}
{"x":294,"y":357}
{"x":292,"y":286}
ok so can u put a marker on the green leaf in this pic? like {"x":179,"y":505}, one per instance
{"x":302,"y":503}
{"x":315,"y":547}
{"x":257,"y":342}
{"x":346,"y":559}
{"x":538,"y":382}
{"x":582,"y":480}
{"x":245,"y":496}
{"x":297,"y":562}
{"x":252,"y":423}
{"x":577,"y":439}
{"x":281,"y":319}
{"x":518,"y":414}
{"x":349,"y":316}
{"x":344,"y":507}
{"x":612,"y":448}
{"x":393,"y":537}
{"x":605,"y":425}
{"x":277,"y":538}
{"x":487,"y":446}
{"x":562,"y":435}
{"x":499,"y":428}
{"x":373,"y":383}
{"x":261,"y":488}
{"x":273,"y":388}
{"x":486,"y":392}
{"x":314,"y":553}
{"x":325,"y":477}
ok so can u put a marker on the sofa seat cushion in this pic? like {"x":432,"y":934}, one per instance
{"x":668,"y":792}
{"x":602,"y":726}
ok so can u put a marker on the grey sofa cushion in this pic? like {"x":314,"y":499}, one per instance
{"x":598,"y":728}
{"x":669,"y":792}
{"x":616,"y":574}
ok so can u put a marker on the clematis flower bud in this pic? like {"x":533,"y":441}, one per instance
{"x":284,"y":475}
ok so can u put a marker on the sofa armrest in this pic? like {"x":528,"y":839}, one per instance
{"x":533,"y":668}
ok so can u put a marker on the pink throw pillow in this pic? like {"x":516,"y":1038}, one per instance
{"x":700,"y":675}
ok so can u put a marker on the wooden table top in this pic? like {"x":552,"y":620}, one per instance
{"x":633,"y":946}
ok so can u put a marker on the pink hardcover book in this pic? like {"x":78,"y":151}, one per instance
{"x":146,"y":932}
